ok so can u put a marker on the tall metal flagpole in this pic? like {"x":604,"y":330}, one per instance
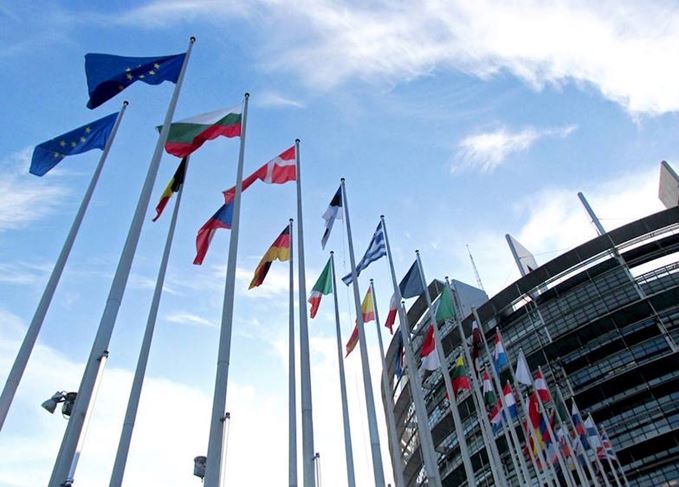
{"x":308,"y":452}
{"x":213,"y":467}
{"x":423,"y":428}
{"x":491,"y":448}
{"x":507,"y":423}
{"x":375,"y":449}
{"x":292,"y":400}
{"x":348,"y":449}
{"x":142,"y":361}
{"x":108,"y":319}
{"x":33,"y":330}
{"x":443,"y":364}
{"x":391,"y":421}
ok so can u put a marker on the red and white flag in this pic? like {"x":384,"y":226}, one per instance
{"x":278,"y":170}
{"x":391,"y":316}
{"x":430,"y":359}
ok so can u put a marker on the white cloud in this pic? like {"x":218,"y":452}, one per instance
{"x":485,"y":151}
{"x":555,"y":221}
{"x":25,"y":198}
{"x":276,"y":100}
{"x":191,"y":319}
{"x":624,"y":49}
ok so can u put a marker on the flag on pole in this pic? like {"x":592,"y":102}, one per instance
{"x":540,"y":385}
{"x":411,"y":284}
{"x":107,"y":75}
{"x":579,"y":426}
{"x":376,"y":249}
{"x":522,"y":373}
{"x":592,"y":434}
{"x":510,"y":401}
{"x":446,"y":308}
{"x":493,"y":405}
{"x":368,"y":307}
{"x":322,"y":287}
{"x":91,"y":136}
{"x":460,"y":377}
{"x":430,"y":359}
{"x":606,"y":451}
{"x":499,"y":355}
{"x":172,"y":187}
{"x":189,"y":134}
{"x":353,"y":340}
{"x":398,"y":357}
{"x":477,"y":342}
{"x":279,"y":250}
{"x":331,"y":214}
{"x":279,"y":170}
{"x":221,"y":219}
{"x":391,"y":315}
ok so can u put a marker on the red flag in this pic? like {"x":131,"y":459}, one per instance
{"x":391,"y":316}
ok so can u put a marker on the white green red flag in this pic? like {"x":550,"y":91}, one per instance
{"x":322,"y":287}
{"x":189,"y":134}
{"x":279,"y":170}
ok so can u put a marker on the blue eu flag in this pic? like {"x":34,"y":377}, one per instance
{"x":108,"y":75}
{"x":91,"y":136}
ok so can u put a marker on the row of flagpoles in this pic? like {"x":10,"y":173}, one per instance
{"x":555,"y":450}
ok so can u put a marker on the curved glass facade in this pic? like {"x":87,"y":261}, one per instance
{"x":602,"y":320}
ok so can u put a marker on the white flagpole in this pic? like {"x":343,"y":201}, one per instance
{"x":622,"y":473}
{"x":514,"y":445}
{"x":391,"y":421}
{"x":375,"y":449}
{"x":142,"y":361}
{"x":484,"y":424}
{"x":292,"y":393}
{"x":33,"y":330}
{"x":348,"y":449}
{"x":108,"y":319}
{"x":581,"y":450}
{"x":429,"y":457}
{"x":213,"y":467}
{"x":443,"y":363}
{"x":308,"y":453}
{"x":578,"y":467}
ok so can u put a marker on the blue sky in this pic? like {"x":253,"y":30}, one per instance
{"x":459,"y":122}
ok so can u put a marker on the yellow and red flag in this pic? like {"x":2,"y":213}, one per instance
{"x":368,"y":313}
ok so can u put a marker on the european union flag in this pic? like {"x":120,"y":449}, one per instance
{"x":91,"y":136}
{"x":108,"y":75}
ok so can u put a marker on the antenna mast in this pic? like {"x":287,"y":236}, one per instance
{"x":476,"y":271}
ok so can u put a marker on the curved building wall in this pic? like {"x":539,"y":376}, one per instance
{"x":602,"y":326}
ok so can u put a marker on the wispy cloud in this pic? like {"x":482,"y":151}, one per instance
{"x":485,"y":151}
{"x":25,"y":198}
{"x":276,"y":100}
{"x":624,"y":49}
{"x":190,"y":319}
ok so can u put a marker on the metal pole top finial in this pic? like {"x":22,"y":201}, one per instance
{"x":247,"y":95}
{"x":332,"y":252}
{"x":125,"y":103}
{"x":371,"y":281}
{"x":381,"y":217}
{"x":192,"y":39}
{"x":342,"y":180}
{"x":297,"y":141}
{"x":290,"y":220}
{"x":417,"y":251}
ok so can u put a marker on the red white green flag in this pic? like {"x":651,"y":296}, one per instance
{"x":189,"y":134}
{"x":278,"y":170}
{"x":322,"y":287}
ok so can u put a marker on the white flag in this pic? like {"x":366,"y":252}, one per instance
{"x":522,"y":373}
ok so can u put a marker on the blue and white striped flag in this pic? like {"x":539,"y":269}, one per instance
{"x":376,"y":249}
